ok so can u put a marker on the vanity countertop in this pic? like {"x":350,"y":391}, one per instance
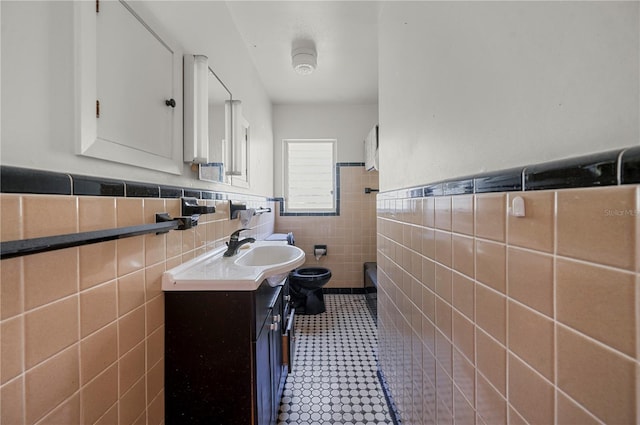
{"x":214,"y":272}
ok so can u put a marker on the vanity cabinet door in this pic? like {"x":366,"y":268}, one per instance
{"x":263,"y":376}
{"x":223,"y":356}
{"x":130,"y":87}
{"x":277,"y":364}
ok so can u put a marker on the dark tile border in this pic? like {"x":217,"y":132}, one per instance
{"x":584,"y":171}
{"x":394,"y":413}
{"x":91,"y":186}
{"x":435,"y":189}
{"x":190,"y":193}
{"x":630,"y":164}
{"x":22,"y":180}
{"x":141,"y":190}
{"x":458,"y":187}
{"x":616,"y":167}
{"x":500,"y":181}
{"x":30,"y":181}
{"x":610,"y":168}
{"x":343,"y":291}
{"x":173,"y":192}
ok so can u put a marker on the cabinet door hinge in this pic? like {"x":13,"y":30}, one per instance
{"x":97,"y":6}
{"x":97,"y":109}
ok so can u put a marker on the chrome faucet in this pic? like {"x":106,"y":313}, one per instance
{"x":234,"y":244}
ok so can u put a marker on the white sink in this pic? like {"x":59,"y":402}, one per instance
{"x":269,"y":255}
{"x":263,"y":260}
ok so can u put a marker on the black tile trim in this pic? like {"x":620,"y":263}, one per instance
{"x":394,"y":413}
{"x":172,"y":192}
{"x":141,"y":190}
{"x":435,"y":189}
{"x":500,"y":181}
{"x":350,"y":164}
{"x":92,"y":186}
{"x":416,"y":193}
{"x":30,"y":181}
{"x":458,"y":187}
{"x":343,"y":291}
{"x":24,"y":180}
{"x":630,"y":166}
{"x":599,"y":169}
{"x":190,"y":193}
{"x":616,"y":167}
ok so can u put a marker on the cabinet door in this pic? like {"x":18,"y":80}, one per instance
{"x":128,"y":72}
{"x":277,"y":365}
{"x":263,"y":375}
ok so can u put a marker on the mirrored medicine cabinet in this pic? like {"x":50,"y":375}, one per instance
{"x":228,"y":134}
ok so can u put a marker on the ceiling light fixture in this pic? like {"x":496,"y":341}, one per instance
{"x":304,"y":60}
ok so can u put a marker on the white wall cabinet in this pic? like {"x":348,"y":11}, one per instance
{"x":129,"y":87}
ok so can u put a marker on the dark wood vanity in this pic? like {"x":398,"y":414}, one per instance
{"x":226,"y":355}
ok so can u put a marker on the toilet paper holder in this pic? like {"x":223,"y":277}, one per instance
{"x":319,"y":251}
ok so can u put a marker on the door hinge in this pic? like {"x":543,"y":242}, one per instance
{"x":97,"y":109}
{"x":97,"y":6}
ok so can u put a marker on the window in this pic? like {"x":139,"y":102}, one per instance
{"x":309,"y":175}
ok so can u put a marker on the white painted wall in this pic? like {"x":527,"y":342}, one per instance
{"x":38,"y":81}
{"x":467,"y":87}
{"x":348,"y":124}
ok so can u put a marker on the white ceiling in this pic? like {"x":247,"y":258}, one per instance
{"x":346,"y":38}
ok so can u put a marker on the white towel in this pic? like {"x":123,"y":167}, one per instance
{"x":246,"y":216}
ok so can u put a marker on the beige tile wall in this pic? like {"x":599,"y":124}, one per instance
{"x":82,"y":329}
{"x":486,"y":318}
{"x":350,"y":237}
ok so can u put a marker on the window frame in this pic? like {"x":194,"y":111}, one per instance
{"x":285,"y":176}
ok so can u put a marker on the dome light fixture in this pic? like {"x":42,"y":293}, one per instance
{"x":304,"y":60}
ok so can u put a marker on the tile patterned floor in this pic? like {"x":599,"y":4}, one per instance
{"x":334,"y":379}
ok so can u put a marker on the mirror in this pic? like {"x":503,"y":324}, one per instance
{"x":219,"y":132}
{"x":239,"y":159}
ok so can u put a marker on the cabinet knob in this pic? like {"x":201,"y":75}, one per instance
{"x":170,"y":102}
{"x":273,"y":326}
{"x":276,"y":318}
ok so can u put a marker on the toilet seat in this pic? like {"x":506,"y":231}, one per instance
{"x":310,"y":277}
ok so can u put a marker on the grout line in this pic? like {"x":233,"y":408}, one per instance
{"x":529,"y":250}
{"x":22,"y":315}
{"x":48,"y":304}
{"x":79,"y":328}
{"x":579,"y":406}
{"x":637,"y":287}
{"x":555,"y":307}
{"x":591,"y":339}
{"x":594,"y":264}
{"x":488,"y":381}
{"x":531,"y":368}
{"x":506,"y":326}
{"x":475,"y":298}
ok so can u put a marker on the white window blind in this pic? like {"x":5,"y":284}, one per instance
{"x":309,"y":175}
